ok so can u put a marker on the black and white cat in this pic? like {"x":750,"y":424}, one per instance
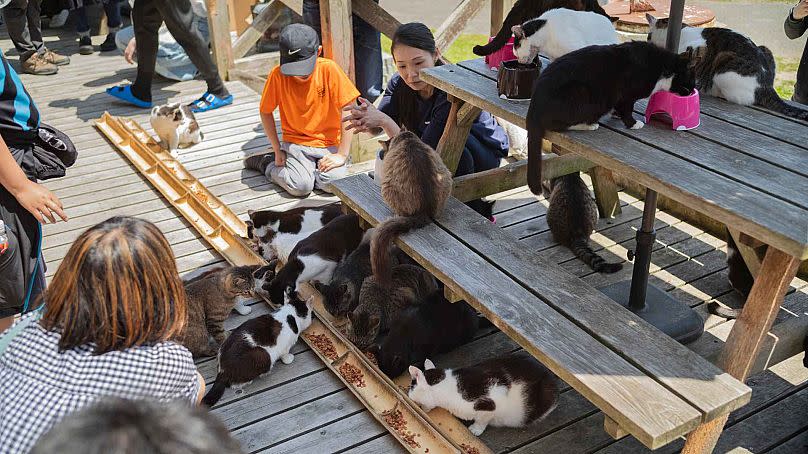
{"x":276,"y":233}
{"x":511,"y":391}
{"x":732,"y":66}
{"x":560,"y":31}
{"x":579,"y":88}
{"x":315,"y":258}
{"x":176,"y":126}
{"x":254,"y":347}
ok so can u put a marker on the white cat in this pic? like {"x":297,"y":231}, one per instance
{"x":176,"y":126}
{"x":560,"y":31}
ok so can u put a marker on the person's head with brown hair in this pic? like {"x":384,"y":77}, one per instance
{"x":117,"y":287}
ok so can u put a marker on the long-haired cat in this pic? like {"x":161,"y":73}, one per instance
{"x":315,"y":257}
{"x":512,"y":391}
{"x":579,"y":88}
{"x":560,"y":31}
{"x":379,"y":305}
{"x":572,"y":216}
{"x":733,"y":67}
{"x":276,"y":233}
{"x":415,"y":185}
{"x":433,"y":327}
{"x":176,"y":126}
{"x":524,"y":10}
{"x":211,"y":297}
{"x":254,"y":347}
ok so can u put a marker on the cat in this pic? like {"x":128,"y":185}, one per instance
{"x":341,"y":295}
{"x":577,"y":89}
{"x":732,"y":66}
{"x":740,"y":279}
{"x":262,"y":277}
{"x":524,"y":10}
{"x":560,"y":31}
{"x":176,"y":126}
{"x":315,"y":257}
{"x":511,"y":391}
{"x":572,"y":216}
{"x":433,"y":327}
{"x":254,"y":347}
{"x":211,"y":297}
{"x":415,"y":185}
{"x":276,"y":233}
{"x":380,"y":305}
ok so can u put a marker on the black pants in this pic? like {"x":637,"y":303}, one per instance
{"x":24,"y":27}
{"x":801,"y":86}
{"x":147,"y":17}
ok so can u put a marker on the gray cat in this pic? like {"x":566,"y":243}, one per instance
{"x":572,"y":217}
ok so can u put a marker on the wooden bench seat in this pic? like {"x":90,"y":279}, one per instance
{"x":651,"y":386}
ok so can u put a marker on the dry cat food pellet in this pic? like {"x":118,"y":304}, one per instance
{"x":372,"y":358}
{"x":353,"y":374}
{"x":468,"y":449}
{"x":323,"y":344}
{"x":396,"y":420}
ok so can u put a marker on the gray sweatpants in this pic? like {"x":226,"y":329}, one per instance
{"x":300,"y":175}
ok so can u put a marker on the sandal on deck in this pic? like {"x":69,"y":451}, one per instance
{"x":124,"y":93}
{"x":209,"y":101}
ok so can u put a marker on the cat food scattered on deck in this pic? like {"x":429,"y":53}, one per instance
{"x":372,"y":358}
{"x":396,"y":420}
{"x":323,"y":345}
{"x":468,"y":449}
{"x":352,"y":374}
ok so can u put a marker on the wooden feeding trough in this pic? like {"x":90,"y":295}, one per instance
{"x":630,"y":14}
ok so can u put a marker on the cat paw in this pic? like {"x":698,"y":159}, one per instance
{"x":288,"y":358}
{"x":637,"y":125}
{"x":477,"y":429}
{"x":584,"y":127}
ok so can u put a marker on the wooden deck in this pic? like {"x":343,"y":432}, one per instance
{"x":302,"y":407}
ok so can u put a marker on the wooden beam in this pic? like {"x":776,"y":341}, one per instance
{"x":219,"y":24}
{"x":259,"y":64}
{"x":259,"y":26}
{"x":376,"y":16}
{"x":499,"y":11}
{"x":751,"y":255}
{"x":481,"y":184}
{"x":294,"y":5}
{"x":605,"y":190}
{"x":454,"y":137}
{"x":611,"y":427}
{"x":337,"y":33}
{"x":451,"y":28}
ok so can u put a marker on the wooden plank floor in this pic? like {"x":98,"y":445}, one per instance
{"x":302,"y":407}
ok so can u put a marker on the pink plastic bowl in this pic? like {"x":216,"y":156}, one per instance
{"x":504,"y":54}
{"x":683,"y":110}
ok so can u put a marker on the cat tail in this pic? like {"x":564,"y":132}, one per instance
{"x":772,"y":101}
{"x":721,"y":311}
{"x":215,"y":393}
{"x":583,"y":251}
{"x":380,"y":244}
{"x":535,"y":135}
{"x":502,"y":37}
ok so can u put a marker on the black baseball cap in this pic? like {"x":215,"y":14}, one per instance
{"x":299,"y":50}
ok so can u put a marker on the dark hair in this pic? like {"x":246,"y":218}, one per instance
{"x":417,"y":35}
{"x":117,"y":287}
{"x":119,"y":426}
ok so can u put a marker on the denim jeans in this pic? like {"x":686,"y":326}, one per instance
{"x":367,"y":50}
{"x":112,"y":8}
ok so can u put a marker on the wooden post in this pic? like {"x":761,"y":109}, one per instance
{"x":260,"y":25}
{"x":337,"y":33}
{"x":218,"y":22}
{"x":499,"y":10}
{"x":458,"y":125}
{"x":451,"y":28}
{"x":605,"y":192}
{"x":743,"y":343}
{"x":376,"y":16}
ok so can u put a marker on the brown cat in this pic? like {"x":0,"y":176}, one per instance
{"x":415,"y":186}
{"x":379,"y":305}
{"x":211,"y":297}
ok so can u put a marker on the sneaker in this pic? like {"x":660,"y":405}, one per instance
{"x":259,"y":162}
{"x":54,"y":58}
{"x":60,"y":19}
{"x":36,"y":64}
{"x":85,"y":45}
{"x":109,"y":44}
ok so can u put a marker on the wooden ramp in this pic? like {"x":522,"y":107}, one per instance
{"x":302,"y":407}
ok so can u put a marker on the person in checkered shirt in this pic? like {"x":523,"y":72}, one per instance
{"x":109,"y":313}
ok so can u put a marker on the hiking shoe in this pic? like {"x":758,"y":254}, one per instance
{"x":85,"y":45}
{"x":39,"y":66}
{"x":54,"y":58}
{"x":109,"y":44}
{"x":259,"y":162}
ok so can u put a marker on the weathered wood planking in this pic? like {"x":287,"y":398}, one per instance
{"x":641,"y":405}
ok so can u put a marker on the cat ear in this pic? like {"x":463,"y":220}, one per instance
{"x":250,"y":213}
{"x":352,"y":318}
{"x":518,"y":31}
{"x":417,"y":375}
{"x":651,"y":20}
{"x":428,"y":364}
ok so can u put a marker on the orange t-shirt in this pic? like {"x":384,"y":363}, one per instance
{"x":311,"y":109}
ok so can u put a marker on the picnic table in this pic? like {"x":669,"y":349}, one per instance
{"x":744,"y":166}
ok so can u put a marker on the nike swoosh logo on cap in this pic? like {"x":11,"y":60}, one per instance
{"x":292,"y":52}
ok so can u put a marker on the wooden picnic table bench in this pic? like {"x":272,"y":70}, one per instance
{"x":646,"y":383}
{"x":744,"y":166}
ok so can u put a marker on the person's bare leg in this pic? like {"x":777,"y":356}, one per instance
{"x":5,"y":323}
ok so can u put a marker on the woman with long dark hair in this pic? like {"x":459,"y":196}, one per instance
{"x":411,"y":103}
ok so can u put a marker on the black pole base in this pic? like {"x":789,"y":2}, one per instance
{"x":670,"y":316}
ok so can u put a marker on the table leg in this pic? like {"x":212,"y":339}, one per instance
{"x":743,"y":344}
{"x":605,"y":192}
{"x":458,"y":125}
{"x":337,"y":32}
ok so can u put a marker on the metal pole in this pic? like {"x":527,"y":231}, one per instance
{"x":675,"y":25}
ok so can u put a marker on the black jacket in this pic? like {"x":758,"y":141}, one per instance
{"x":794,"y":29}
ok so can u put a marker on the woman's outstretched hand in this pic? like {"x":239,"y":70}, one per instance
{"x":364,"y":117}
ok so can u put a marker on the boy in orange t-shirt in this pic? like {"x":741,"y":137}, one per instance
{"x":310,"y":93}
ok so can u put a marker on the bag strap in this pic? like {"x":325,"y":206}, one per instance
{"x":15,"y":330}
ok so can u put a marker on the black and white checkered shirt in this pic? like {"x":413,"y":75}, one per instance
{"x":39,"y":385}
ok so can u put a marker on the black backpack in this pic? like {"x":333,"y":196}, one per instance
{"x":54,"y":152}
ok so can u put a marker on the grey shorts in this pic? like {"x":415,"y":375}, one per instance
{"x":300,"y":175}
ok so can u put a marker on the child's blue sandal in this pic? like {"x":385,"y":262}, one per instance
{"x":124,"y":93}
{"x":209,"y":101}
